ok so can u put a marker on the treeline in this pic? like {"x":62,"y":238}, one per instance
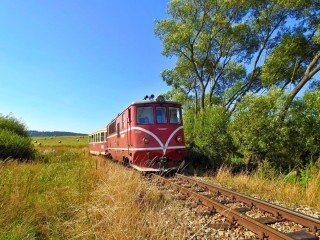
{"x":240,"y":70}
{"x":15,"y":142}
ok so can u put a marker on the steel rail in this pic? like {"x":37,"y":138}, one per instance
{"x":279,"y":212}
{"x":263,"y":231}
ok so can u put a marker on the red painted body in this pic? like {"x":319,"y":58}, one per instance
{"x":148,"y":135}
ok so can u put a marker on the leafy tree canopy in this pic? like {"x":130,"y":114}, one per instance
{"x":225,"y":49}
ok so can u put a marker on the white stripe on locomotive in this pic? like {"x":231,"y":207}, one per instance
{"x":162,"y":146}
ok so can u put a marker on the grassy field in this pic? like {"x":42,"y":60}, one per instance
{"x":69,"y":141}
{"x":37,"y":198}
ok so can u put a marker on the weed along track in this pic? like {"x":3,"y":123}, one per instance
{"x":238,"y":212}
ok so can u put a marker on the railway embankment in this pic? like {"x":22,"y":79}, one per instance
{"x":227,"y":214}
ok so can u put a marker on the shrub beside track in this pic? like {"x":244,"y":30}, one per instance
{"x":15,"y":142}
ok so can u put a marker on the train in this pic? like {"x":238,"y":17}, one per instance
{"x":147,"y":135}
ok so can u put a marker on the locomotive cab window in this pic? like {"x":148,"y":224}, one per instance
{"x":112,"y":127}
{"x":123,"y":120}
{"x":118,"y":129}
{"x":144,"y":115}
{"x":161,"y":115}
{"x":174,"y":115}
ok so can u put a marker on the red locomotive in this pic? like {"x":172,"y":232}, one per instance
{"x":147,"y":135}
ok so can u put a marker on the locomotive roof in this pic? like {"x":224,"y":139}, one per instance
{"x":160,"y":100}
{"x":152,"y":101}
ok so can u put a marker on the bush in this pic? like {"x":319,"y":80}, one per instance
{"x":256,"y":128}
{"x":206,"y":134}
{"x":304,"y":121}
{"x":260,"y":133}
{"x":15,"y":142}
{"x":12,"y":124}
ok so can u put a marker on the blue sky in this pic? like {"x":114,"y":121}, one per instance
{"x":73,"y":65}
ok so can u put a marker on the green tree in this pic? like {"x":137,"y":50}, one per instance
{"x":304,"y":121}
{"x":233,"y":47}
{"x":183,"y":81}
{"x":259,"y":132}
{"x":295,"y":59}
{"x":255,"y":128}
{"x":208,"y":37}
{"x":207,"y":134}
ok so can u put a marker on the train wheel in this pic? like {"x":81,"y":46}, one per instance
{"x":126,"y":161}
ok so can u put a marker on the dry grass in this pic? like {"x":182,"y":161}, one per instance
{"x":313,"y":190}
{"x":67,"y":194}
{"x":125,"y":207}
{"x":275,"y":189}
{"x":37,"y":197}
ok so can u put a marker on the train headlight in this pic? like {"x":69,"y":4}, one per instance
{"x":179,"y":139}
{"x":146,"y":140}
{"x":160,"y":99}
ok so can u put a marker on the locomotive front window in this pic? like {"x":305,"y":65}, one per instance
{"x":161,"y":115}
{"x":144,"y":115}
{"x":174,"y":114}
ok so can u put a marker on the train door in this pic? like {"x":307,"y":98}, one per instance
{"x":129,"y":129}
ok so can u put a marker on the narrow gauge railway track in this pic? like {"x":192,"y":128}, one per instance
{"x":217,"y":200}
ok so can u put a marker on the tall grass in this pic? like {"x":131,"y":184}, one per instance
{"x":125,"y":207}
{"x":275,"y":187}
{"x":37,"y":198}
{"x":67,"y":194}
{"x":313,"y":190}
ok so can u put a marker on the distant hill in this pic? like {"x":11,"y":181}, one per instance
{"x":34,"y":133}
